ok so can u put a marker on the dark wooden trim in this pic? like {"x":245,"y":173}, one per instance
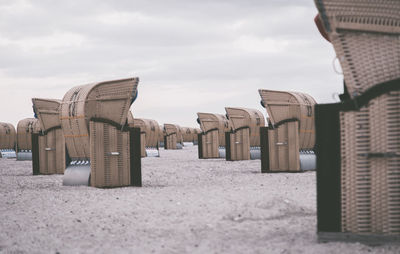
{"x":264,"y":149}
{"x":289,"y":120}
{"x":210,"y":130}
{"x":50,"y":129}
{"x":135,"y":157}
{"x":240,"y":128}
{"x":228,"y":156}
{"x":110,"y":122}
{"x":200,"y":145}
{"x":367,"y":239}
{"x":165,"y":143}
{"x":327,"y":150}
{"x":35,"y":154}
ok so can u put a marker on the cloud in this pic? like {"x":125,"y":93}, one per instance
{"x":190,"y":55}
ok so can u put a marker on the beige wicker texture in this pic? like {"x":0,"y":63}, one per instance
{"x":281,"y":105}
{"x":108,"y":100}
{"x":36,"y":126}
{"x":110,"y":156}
{"x":284,"y":149}
{"x":366,"y":37}
{"x":210,"y":147}
{"x":151,"y":130}
{"x":8,"y":136}
{"x":52,"y":152}
{"x":210,"y":121}
{"x":196,"y":132}
{"x":240,"y":145}
{"x":370,"y":185}
{"x":25,"y":128}
{"x":161,"y":133}
{"x":187,"y":134}
{"x":48,"y":112}
{"x":244,"y":117}
{"x":172,"y":132}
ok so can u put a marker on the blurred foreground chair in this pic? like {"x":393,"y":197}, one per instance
{"x":104,"y":150}
{"x":25,"y":129}
{"x":358,"y":139}
{"x":173,"y":137}
{"x":287,"y":144}
{"x":211,"y":140}
{"x":243,"y":140}
{"x":7,"y":140}
{"x":48,"y":142}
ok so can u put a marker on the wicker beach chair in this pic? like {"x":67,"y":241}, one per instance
{"x":288,"y":141}
{"x":101,"y":145}
{"x":7,"y":140}
{"x":357,"y":140}
{"x":48,"y":144}
{"x":25,"y":129}
{"x":173,"y":137}
{"x":149,"y":136}
{"x":366,"y":38}
{"x":243,"y":140}
{"x":211,"y":140}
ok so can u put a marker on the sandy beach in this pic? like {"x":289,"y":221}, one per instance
{"x":186,"y":205}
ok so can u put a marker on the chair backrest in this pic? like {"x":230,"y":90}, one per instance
{"x":25,"y":128}
{"x":109,"y":100}
{"x":365,"y":35}
{"x":245,"y":118}
{"x":210,"y":121}
{"x":48,"y":112}
{"x":284,"y":106}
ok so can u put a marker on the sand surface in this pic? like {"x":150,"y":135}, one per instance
{"x":186,"y":205}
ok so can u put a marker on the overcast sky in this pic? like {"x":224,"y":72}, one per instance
{"x":190,"y":55}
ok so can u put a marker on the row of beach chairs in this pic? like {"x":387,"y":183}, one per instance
{"x":356,"y":142}
{"x":285,"y":144}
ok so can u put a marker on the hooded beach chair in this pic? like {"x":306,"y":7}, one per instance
{"x":48,"y":144}
{"x":104,"y":150}
{"x":287,"y":144}
{"x":7,"y":140}
{"x":173,"y":137}
{"x":243,"y":139}
{"x":357,"y":140}
{"x":211,"y":139}
{"x":149,"y":135}
{"x":25,"y":129}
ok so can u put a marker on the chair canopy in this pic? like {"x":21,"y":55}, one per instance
{"x":109,"y":101}
{"x":366,"y":37}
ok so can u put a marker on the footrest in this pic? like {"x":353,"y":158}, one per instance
{"x":77,"y":173}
